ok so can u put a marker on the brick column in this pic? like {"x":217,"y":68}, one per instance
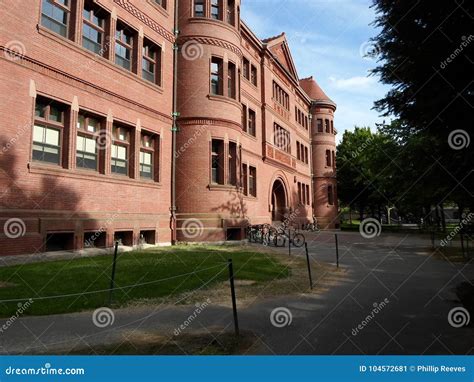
{"x":106,"y":147}
{"x":110,"y":52}
{"x":135,"y":142}
{"x":76,"y":21}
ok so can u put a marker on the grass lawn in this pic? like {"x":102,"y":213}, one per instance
{"x":93,"y":273}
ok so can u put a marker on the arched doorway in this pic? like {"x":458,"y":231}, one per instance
{"x":279,"y":207}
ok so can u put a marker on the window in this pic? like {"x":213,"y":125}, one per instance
{"x":281,"y":138}
{"x":86,"y":144}
{"x":161,"y":3}
{"x":123,"y":46}
{"x":320,"y":125}
{"x":330,"y":195}
{"x":300,"y":199}
{"x":46,"y":146}
{"x":253,"y":181}
{"x":326,"y":122}
{"x":231,"y":12}
{"x":306,"y":156}
{"x":49,"y":122}
{"x":217,"y":161}
{"x":307,"y":195}
{"x":92,"y":28}
{"x":147,"y":157}
{"x":246,"y":69}
{"x":244,"y":118}
{"x":252,"y":122}
{"x":232,"y":164}
{"x":253,"y":75}
{"x":328,"y":158}
{"x":199,"y":8}
{"x":298,"y":156}
{"x":231,"y":80}
{"x":55,"y":16}
{"x":216,"y":9}
{"x":306,"y":122}
{"x":245,"y":180}
{"x":216,"y":76}
{"x":332,"y":127}
{"x":280,"y":96}
{"x":333,"y":159}
{"x":120,"y":149}
{"x":151,"y":62}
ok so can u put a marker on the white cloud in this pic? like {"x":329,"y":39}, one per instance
{"x":356,"y":83}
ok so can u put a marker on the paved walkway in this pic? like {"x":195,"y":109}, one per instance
{"x":413,"y":288}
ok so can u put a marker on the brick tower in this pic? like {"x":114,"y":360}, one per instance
{"x":323,"y":143}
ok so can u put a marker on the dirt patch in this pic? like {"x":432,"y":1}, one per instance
{"x":149,"y":343}
{"x":4,"y":284}
{"x":248,"y":292}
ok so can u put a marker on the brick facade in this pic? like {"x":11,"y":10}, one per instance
{"x":257,"y":177}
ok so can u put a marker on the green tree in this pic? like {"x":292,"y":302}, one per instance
{"x":426,"y":56}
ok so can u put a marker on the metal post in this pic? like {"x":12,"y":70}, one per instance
{"x":112,"y":280}
{"x":232,"y":291}
{"x":309,"y":266}
{"x":337,"y":250}
{"x":289,"y":241}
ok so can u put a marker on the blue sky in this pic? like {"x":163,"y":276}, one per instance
{"x":328,"y":40}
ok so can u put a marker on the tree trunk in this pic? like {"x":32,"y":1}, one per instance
{"x":438,"y":220}
{"x":460,"y":211}
{"x":443,"y":217}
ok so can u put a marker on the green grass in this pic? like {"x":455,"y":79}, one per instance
{"x":93,"y":273}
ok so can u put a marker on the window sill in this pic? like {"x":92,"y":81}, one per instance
{"x":221,"y":98}
{"x":46,"y":169}
{"x":250,"y":83}
{"x":253,"y":137}
{"x":221,"y":187}
{"x":95,"y":57}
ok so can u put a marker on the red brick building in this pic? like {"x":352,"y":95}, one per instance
{"x":105,"y":102}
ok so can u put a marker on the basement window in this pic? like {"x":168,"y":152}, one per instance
{"x":59,"y":242}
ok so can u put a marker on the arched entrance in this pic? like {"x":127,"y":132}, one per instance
{"x":279,"y":207}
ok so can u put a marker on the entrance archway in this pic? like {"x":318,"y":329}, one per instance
{"x":279,"y":207}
